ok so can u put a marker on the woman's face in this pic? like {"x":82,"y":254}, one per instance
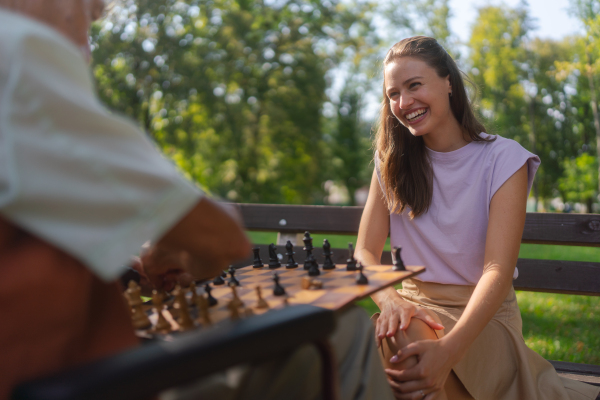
{"x":418,"y":97}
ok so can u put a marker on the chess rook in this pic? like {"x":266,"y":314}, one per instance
{"x":257,"y":261}
{"x":351,"y":262}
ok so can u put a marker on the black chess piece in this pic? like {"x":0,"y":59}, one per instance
{"x":273,"y":259}
{"x":328,"y":264}
{"x":313,"y":269}
{"x":218,"y":280}
{"x":351,"y":261}
{"x":361,"y":279}
{"x":278,"y":290}
{"x":291,"y":263}
{"x":308,"y":247}
{"x":224,"y":274}
{"x":398,"y":263}
{"x":257,"y":261}
{"x":233,"y":280}
{"x":211,"y":299}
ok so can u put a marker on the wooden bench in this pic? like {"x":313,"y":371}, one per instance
{"x":552,"y":276}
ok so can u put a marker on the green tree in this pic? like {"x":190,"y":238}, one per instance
{"x":231,"y":90}
{"x":580,"y":179}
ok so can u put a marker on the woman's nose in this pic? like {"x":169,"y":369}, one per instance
{"x":405,"y":102}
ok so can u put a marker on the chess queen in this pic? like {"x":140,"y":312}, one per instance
{"x":454,"y":197}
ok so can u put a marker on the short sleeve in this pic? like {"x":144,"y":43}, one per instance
{"x":509,"y":157}
{"x":86,"y":180}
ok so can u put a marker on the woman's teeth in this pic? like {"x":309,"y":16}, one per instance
{"x":416,"y":114}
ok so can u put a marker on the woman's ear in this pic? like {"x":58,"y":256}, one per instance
{"x":449,"y":85}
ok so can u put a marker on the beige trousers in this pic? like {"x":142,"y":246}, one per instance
{"x":498,"y":365}
{"x":298,"y":374}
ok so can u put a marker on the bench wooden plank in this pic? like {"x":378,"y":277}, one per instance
{"x":566,"y":277}
{"x":543,"y":228}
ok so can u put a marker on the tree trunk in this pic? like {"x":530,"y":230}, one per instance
{"x":533,"y":147}
{"x":594,"y":104}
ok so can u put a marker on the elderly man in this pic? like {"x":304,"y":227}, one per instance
{"x":81,"y":189}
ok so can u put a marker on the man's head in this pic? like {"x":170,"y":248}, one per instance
{"x":70,"y":17}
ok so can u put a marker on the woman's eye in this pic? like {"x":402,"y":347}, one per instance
{"x":393,"y":94}
{"x":414,"y":85}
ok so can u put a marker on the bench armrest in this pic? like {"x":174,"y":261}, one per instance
{"x":151,"y":368}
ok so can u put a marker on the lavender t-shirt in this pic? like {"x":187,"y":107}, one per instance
{"x":449,"y":239}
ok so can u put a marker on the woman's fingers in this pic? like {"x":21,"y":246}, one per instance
{"x":392,"y":325}
{"x":406,"y":314}
{"x":428,"y":319}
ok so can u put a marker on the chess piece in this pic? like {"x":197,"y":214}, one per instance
{"x":257,"y":261}
{"x":185,"y":320}
{"x":236,"y":298}
{"x":361,"y":279}
{"x":308,"y":283}
{"x":219,"y":279}
{"x":291,"y":263}
{"x":273,"y":259}
{"x":308,"y":247}
{"x":328,"y":264}
{"x":194,"y":293}
{"x":351,"y":261}
{"x":260,"y":302}
{"x":209,"y":297}
{"x":162,"y":325}
{"x":248,"y":312}
{"x":278,"y":290}
{"x":224,"y":273}
{"x":313,"y":269}
{"x":133,"y":294}
{"x":203,"y":313}
{"x":233,"y":280}
{"x":235,"y":312}
{"x":398,"y":263}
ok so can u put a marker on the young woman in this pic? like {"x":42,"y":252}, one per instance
{"x":454,"y":198}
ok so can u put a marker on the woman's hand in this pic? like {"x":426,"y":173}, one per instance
{"x":427,"y":378}
{"x":397,"y":313}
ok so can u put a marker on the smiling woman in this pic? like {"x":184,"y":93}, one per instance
{"x":455,"y":198}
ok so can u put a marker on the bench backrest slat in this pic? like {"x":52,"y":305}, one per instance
{"x":543,"y":228}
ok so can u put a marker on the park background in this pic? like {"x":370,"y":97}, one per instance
{"x":276,"y":101}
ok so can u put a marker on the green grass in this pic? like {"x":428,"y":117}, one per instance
{"x":559,"y":327}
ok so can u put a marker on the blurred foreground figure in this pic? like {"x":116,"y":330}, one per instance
{"x":81,"y":190}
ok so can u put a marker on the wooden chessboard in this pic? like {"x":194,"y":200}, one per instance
{"x":339,"y":289}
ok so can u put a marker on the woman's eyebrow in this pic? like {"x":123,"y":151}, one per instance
{"x":410,"y":79}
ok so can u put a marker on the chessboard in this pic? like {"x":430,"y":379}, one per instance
{"x":258,"y":288}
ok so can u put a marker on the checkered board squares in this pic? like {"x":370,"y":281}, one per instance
{"x":339,"y":289}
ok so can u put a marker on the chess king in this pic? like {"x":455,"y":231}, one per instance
{"x":81,"y":191}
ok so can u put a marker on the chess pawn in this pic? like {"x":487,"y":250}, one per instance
{"x":139,"y":318}
{"x":398,"y":263}
{"x":162,"y":325}
{"x":236,"y":298}
{"x":351,"y":262}
{"x":313,"y":269}
{"x":193,"y":292}
{"x":233,"y":308}
{"x":233,"y":280}
{"x":361,"y":278}
{"x":328,"y":264}
{"x":260,"y":302}
{"x":185,"y":321}
{"x":278,"y":290}
{"x":209,"y":297}
{"x":291,"y":263}
{"x":257,"y":261}
{"x":273,"y":259}
{"x":203,"y":313}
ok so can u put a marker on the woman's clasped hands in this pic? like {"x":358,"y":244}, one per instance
{"x":418,"y":370}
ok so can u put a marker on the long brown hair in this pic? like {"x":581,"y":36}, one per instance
{"x":405,"y":166}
